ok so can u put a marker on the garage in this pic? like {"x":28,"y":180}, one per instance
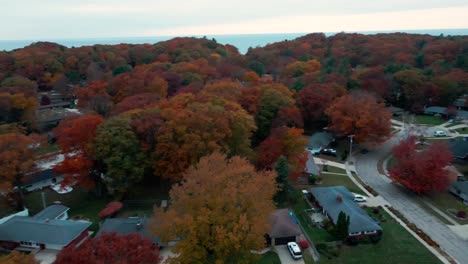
{"x":283,"y":228}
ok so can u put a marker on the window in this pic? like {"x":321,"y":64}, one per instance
{"x":354,"y":233}
{"x":370,"y":232}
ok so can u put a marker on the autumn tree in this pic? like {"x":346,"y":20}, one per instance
{"x":75,"y":138}
{"x":117,"y":147}
{"x":273,"y":98}
{"x":16,"y":257}
{"x":286,"y":142}
{"x":95,"y":97}
{"x":421,"y":171}
{"x":359,"y":114}
{"x":314,"y":99}
{"x":112,"y":248}
{"x":218,"y":212}
{"x":16,"y":158}
{"x":195,"y":127}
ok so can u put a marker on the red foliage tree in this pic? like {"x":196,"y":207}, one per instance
{"x":287,"y":142}
{"x":111,"y":208}
{"x":359,"y":114}
{"x":314,"y":99}
{"x":112,"y":248}
{"x":75,"y":136}
{"x":421,"y":171}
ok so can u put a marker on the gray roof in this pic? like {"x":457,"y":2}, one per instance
{"x":56,"y":232}
{"x":395,"y":110}
{"x":435,"y":110}
{"x":359,"y":220}
{"x":320,"y":140}
{"x":461,"y":186}
{"x":459,"y":148}
{"x":282,"y":224}
{"x":51,"y":212}
{"x":125,"y":226}
{"x":462,"y":114}
{"x":310,"y":166}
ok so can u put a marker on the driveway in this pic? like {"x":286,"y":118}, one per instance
{"x":46,"y":256}
{"x":285,"y":256}
{"x":406,"y":202}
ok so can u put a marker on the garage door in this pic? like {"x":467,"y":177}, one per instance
{"x":284,"y":240}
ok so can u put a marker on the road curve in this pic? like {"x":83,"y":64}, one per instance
{"x":404,"y":201}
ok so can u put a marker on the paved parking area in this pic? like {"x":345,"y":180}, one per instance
{"x":285,"y":256}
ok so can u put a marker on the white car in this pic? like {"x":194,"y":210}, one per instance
{"x":59,"y":189}
{"x":440,"y":133}
{"x":294,"y":250}
{"x":359,"y":198}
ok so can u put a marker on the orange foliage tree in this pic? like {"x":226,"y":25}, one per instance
{"x":359,"y":114}
{"x":218,"y":212}
{"x":16,"y":157}
{"x":75,"y":135}
{"x":16,"y":257}
{"x":195,"y":127}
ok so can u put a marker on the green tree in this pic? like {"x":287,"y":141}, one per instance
{"x":118,"y":148}
{"x":341,"y":230}
{"x":282,"y":179}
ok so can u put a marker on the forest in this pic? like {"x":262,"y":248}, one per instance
{"x":164,"y":106}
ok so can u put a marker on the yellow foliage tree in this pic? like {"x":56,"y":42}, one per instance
{"x":218,"y":211}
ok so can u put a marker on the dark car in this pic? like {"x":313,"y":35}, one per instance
{"x":329,"y":152}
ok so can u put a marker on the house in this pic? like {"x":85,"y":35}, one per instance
{"x":333,"y":200}
{"x":319,"y":141}
{"x":55,"y":211}
{"x":311,"y":168}
{"x":11,"y":213}
{"x":460,"y":189}
{"x":125,"y":226}
{"x":40,"y":179}
{"x":283,"y":228}
{"x":435,"y":110}
{"x":30,"y":233}
{"x":459,"y":149}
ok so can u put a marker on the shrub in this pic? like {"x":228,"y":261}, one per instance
{"x":375,"y":211}
{"x":304,"y":244}
{"x":312,"y":179}
{"x":461,"y":214}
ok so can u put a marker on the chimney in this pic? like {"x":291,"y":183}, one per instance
{"x":339,"y":198}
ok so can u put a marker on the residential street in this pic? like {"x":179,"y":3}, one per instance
{"x":403,"y":201}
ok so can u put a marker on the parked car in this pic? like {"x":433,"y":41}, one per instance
{"x":294,"y":250}
{"x":440,"y":133}
{"x":359,"y":198}
{"x":329,"y":152}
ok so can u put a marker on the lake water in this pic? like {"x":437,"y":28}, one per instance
{"x":242,"y":42}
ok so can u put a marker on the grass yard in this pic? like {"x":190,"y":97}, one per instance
{"x":445,"y":201}
{"x":336,"y":180}
{"x":463,"y":130}
{"x":335,"y":169}
{"x":47,"y":149}
{"x":269,"y":258}
{"x":81,"y":203}
{"x":428,"y":120}
{"x":396,"y":246}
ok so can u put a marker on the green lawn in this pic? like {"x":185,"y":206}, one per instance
{"x":463,"y":130}
{"x":81,"y":203}
{"x":336,"y":170}
{"x":444,"y":201}
{"x":396,"y":246}
{"x":269,"y":258}
{"x":428,"y":120}
{"x":47,"y":149}
{"x":336,"y":180}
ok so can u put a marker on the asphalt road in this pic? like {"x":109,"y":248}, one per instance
{"x":404,"y":201}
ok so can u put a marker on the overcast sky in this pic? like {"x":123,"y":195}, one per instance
{"x":59,"y":19}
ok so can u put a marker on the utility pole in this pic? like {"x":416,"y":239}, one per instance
{"x":44,"y":204}
{"x":350,"y":145}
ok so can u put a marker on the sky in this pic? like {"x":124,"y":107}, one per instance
{"x":61,"y":19}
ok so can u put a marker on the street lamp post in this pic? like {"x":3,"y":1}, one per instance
{"x":350,"y":145}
